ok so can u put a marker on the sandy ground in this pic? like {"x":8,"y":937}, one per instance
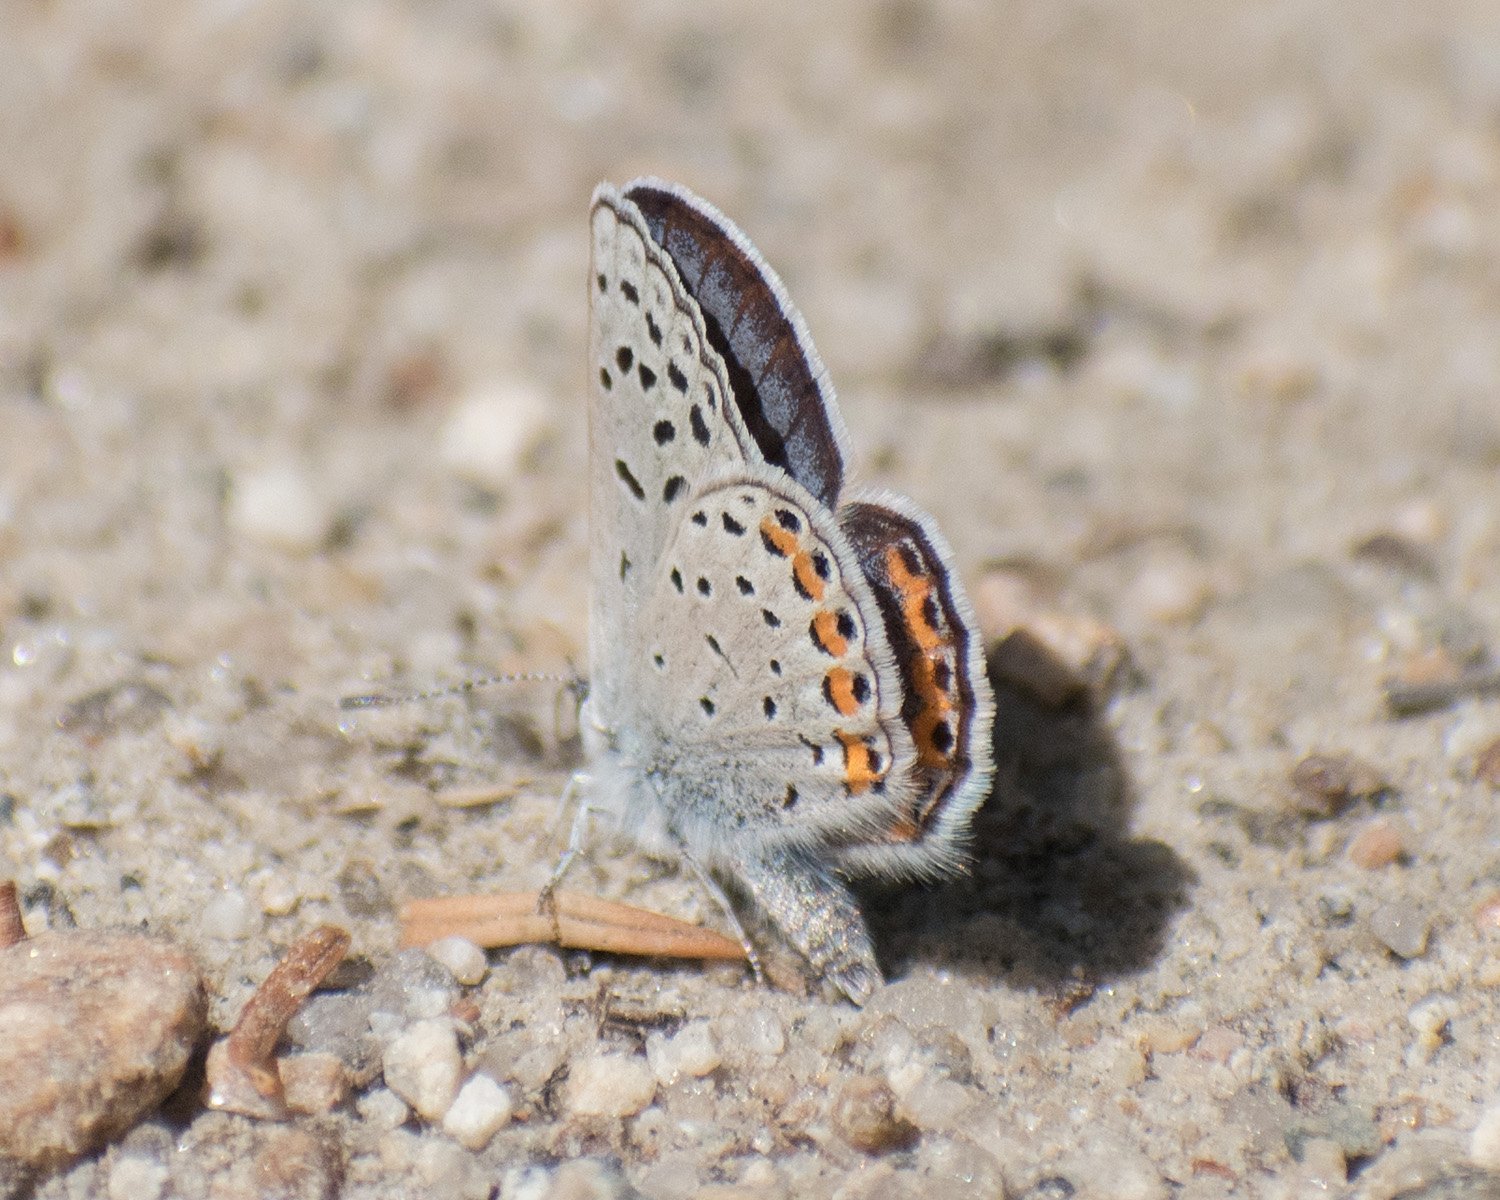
{"x":1184,"y":320}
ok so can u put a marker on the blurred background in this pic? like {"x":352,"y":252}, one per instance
{"x":1182,"y":318}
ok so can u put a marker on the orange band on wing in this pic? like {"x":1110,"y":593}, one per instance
{"x":840,"y":688}
{"x":859,"y":774}
{"x":937,"y":703}
{"x":784,"y":542}
{"x":914,"y":591}
{"x":825,"y":627}
{"x":807,"y":577}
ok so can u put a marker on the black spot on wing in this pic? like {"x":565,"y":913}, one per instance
{"x":629,"y":480}
{"x":701,"y":434}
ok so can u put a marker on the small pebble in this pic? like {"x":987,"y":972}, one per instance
{"x":864,"y":1114}
{"x":113,"y":1016}
{"x":423,"y":1066}
{"x":582,"y":1179}
{"x":279,"y":895}
{"x":491,"y":432}
{"x":690,"y":1051}
{"x":229,"y":916}
{"x":411,"y":986}
{"x":481,"y":1109}
{"x":1326,"y":783}
{"x":1217,"y":1044}
{"x":1321,"y":1166}
{"x":961,"y":1160}
{"x":1114,"y":1171}
{"x":1402,"y":926}
{"x":132,"y":1177}
{"x":1484,"y":1142}
{"x":441,"y":1168}
{"x":1430,"y":1018}
{"x":1487,"y":764}
{"x":761,"y":1032}
{"x":1396,"y":553}
{"x":1422,"y":520}
{"x":1050,"y":653}
{"x":1380,"y":842}
{"x":382,"y":1108}
{"x":286,"y":1162}
{"x":313,"y":1083}
{"x":338,"y":1023}
{"x":1023,"y":660}
{"x":278,"y":507}
{"x":609,"y":1085}
{"x":462,"y":957}
{"x":931,"y":1101}
{"x":1167,"y":592}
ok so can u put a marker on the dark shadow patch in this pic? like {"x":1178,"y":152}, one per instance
{"x":1059,"y":897}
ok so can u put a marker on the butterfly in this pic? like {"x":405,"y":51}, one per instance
{"x":786,"y":686}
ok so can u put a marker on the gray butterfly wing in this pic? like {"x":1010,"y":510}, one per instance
{"x":948,"y":705}
{"x":658,"y":425}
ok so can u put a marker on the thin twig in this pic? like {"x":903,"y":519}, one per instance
{"x":1410,"y":699}
{"x":242,"y":1074}
{"x":576,"y":922}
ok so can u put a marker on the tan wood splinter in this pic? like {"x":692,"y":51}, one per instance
{"x":575,"y":922}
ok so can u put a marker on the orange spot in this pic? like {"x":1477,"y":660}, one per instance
{"x":826,"y":631}
{"x":802,"y":568}
{"x":783,"y":541}
{"x":839,"y":683}
{"x":857,"y":773}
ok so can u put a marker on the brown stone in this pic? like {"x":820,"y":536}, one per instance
{"x":96,"y":1029}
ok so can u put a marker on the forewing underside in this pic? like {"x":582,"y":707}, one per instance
{"x":658,"y":425}
{"x":779,"y":383}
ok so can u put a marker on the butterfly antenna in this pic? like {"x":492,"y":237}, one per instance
{"x":350,"y":703}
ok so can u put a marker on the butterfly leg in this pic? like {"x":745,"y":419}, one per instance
{"x":819,"y":916}
{"x":711,"y":886}
{"x":577,"y":789}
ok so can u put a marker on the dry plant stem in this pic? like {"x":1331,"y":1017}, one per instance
{"x":577,"y":922}
{"x":1411,"y":699}
{"x":11,"y":928}
{"x":264,"y":1019}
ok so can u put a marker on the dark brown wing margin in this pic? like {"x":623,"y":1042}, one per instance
{"x":779,"y":382}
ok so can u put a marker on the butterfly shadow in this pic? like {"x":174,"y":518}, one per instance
{"x":1059,"y":898}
